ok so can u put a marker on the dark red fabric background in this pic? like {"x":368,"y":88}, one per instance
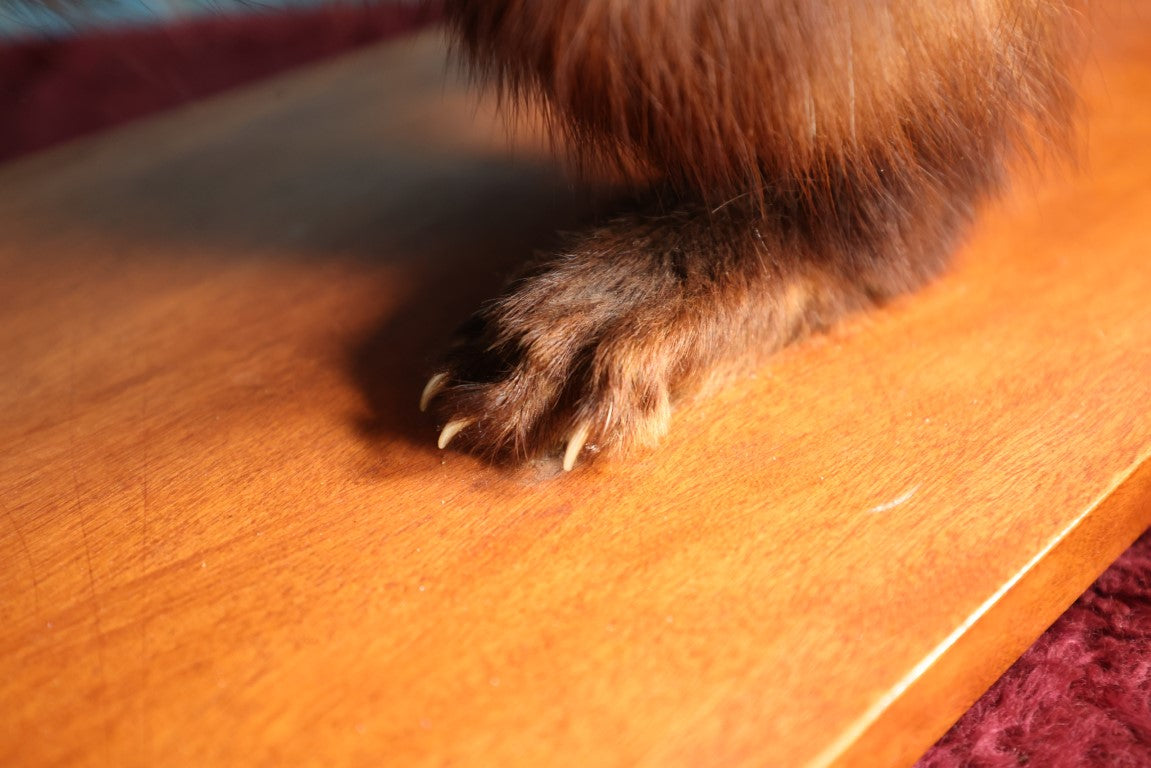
{"x":56,"y":89}
{"x":1081,"y":696}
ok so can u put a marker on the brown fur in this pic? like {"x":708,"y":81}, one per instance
{"x":797,"y":159}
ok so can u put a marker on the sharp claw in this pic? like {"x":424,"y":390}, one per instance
{"x":575,"y":445}
{"x":451,"y":429}
{"x":432,"y":388}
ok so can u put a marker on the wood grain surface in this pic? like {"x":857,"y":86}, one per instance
{"x":227,"y":538}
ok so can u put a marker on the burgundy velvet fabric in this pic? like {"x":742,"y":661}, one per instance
{"x":55,"y":89}
{"x":1081,"y":696}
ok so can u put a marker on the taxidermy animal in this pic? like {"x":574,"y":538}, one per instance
{"x":789,"y":161}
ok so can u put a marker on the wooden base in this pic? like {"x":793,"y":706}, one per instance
{"x":227,"y":538}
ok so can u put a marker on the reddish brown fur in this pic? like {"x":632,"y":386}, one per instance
{"x":797,"y":159}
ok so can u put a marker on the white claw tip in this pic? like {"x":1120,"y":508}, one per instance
{"x":431,"y":389}
{"x":575,"y":445}
{"x":451,"y":429}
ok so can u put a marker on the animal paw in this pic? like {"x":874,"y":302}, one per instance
{"x":586,"y":352}
{"x":557,"y":364}
{"x":590,"y":349}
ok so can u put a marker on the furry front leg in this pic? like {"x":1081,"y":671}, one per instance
{"x":592,"y":347}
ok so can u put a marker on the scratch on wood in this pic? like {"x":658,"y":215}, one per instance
{"x":78,"y":507}
{"x":28,"y":554}
{"x":900,"y":499}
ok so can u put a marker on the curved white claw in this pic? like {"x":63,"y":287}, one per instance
{"x":575,"y":445}
{"x":432,"y":388}
{"x":451,"y":429}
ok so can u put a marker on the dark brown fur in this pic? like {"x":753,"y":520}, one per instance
{"x":792,"y":161}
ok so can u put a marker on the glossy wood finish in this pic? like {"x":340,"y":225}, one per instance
{"x":226,"y":537}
